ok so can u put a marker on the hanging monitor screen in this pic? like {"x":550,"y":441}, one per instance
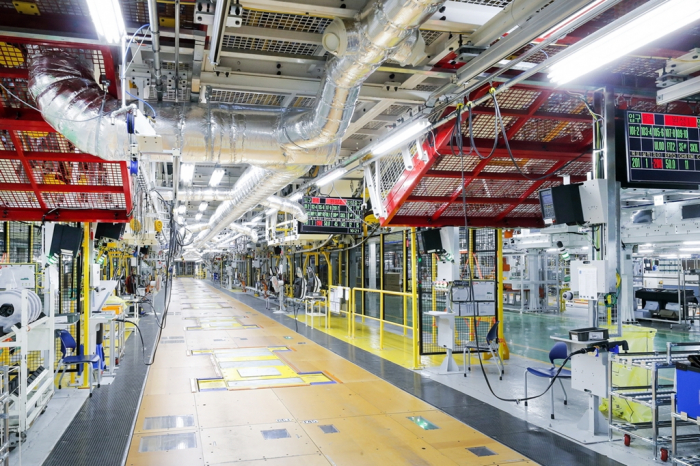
{"x":662,"y":148}
{"x":332,"y":215}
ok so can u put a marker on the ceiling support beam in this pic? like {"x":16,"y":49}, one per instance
{"x":369,"y":115}
{"x":302,"y":87}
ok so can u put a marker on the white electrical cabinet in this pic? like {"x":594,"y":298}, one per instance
{"x":594,"y":201}
{"x":588,"y":278}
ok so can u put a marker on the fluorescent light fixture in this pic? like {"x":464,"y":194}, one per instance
{"x":198,"y":217}
{"x":331,"y":176}
{"x":107,"y":18}
{"x":689,"y":249}
{"x":566,"y":23}
{"x":216,"y":177}
{"x":585,"y":248}
{"x":691,"y":242}
{"x":186,"y":172}
{"x":641,"y":27}
{"x":203,"y":206}
{"x":659,"y":200}
{"x":181,"y":209}
{"x":552,"y":250}
{"x":394,"y":140}
{"x":648,"y":245}
{"x":645,"y":251}
{"x":668,"y":256}
{"x":296,"y":197}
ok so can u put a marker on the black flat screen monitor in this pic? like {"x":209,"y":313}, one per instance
{"x":431,"y":241}
{"x":109,"y":230}
{"x":66,"y":238}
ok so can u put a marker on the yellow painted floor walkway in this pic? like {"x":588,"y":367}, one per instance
{"x":232,"y":386}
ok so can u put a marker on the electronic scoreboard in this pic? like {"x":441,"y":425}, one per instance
{"x":332,"y":215}
{"x":662,"y":148}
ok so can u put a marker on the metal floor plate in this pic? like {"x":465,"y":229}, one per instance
{"x":168,"y":422}
{"x":168,"y":442}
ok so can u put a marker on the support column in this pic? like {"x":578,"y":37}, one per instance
{"x":613,"y":247}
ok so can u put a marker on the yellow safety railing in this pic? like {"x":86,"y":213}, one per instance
{"x":382,"y":321}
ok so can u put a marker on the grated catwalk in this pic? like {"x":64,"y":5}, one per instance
{"x":101,"y":431}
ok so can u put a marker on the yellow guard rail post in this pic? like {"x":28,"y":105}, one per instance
{"x":503,"y":350}
{"x":414,"y":293}
{"x":86,"y":299}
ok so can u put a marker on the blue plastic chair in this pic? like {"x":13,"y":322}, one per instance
{"x":558,"y":351}
{"x":68,"y":345}
{"x":491,"y":347}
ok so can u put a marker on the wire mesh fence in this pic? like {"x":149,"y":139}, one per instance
{"x":467,"y":331}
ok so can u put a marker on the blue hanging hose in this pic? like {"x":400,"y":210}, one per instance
{"x":155,"y":115}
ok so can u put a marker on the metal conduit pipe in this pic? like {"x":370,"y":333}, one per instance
{"x":155,"y":43}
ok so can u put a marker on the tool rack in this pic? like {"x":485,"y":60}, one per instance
{"x":654,"y":395}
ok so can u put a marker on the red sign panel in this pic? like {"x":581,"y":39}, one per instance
{"x":680,"y":120}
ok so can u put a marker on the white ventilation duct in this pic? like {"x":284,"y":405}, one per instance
{"x":211,"y":195}
{"x":285,"y":205}
{"x":279,"y":145}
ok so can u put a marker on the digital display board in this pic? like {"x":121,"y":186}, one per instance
{"x":332,"y":215}
{"x":662,"y":148}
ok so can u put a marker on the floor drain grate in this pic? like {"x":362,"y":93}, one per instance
{"x":328,"y":429}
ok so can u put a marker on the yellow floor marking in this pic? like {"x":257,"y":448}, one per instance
{"x":369,"y":415}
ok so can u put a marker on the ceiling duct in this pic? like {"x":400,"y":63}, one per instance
{"x":290,"y":207}
{"x":211,"y":195}
{"x":280,"y":146}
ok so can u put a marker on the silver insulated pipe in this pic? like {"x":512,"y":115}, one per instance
{"x":280,"y":145}
{"x":287,"y":206}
